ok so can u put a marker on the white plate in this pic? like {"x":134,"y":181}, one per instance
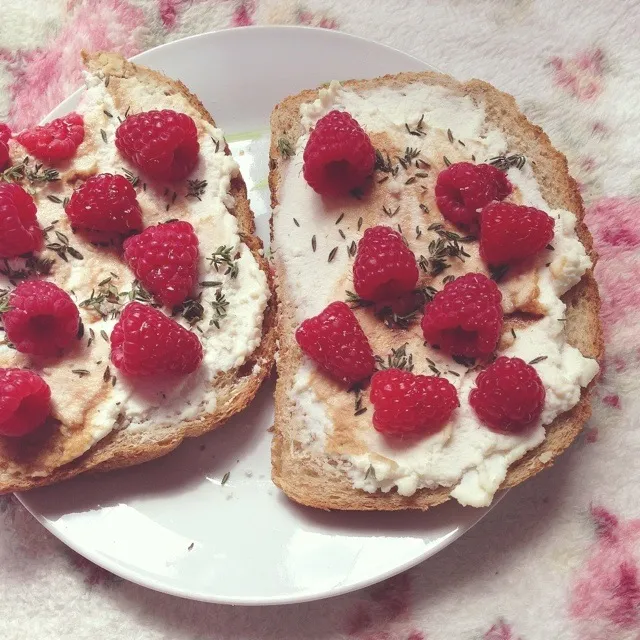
{"x":171,"y":524}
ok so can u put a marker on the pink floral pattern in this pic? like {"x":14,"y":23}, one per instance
{"x":605,"y":598}
{"x":7,"y":506}
{"x":614,"y":224}
{"x":500,"y":631}
{"x":53,"y":72}
{"x":243,"y":15}
{"x":92,"y":574}
{"x":580,"y":75}
{"x":386,"y":614}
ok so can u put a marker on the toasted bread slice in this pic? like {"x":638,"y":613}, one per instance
{"x":62,"y":450}
{"x":316,"y":479}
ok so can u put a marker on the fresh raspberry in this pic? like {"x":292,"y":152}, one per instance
{"x":145,"y":342}
{"x":510,"y":233}
{"x":165,"y":260}
{"x":339,"y":155}
{"x":25,"y":402}
{"x":19,"y":229}
{"x":384,"y":266}
{"x":336,"y":341}
{"x":508,"y":395}
{"x":406,"y":404}
{"x":465,"y":318}
{"x":498,"y":178}
{"x":105,"y":203}
{"x":5,"y":158}
{"x":42,"y":319}
{"x":164,"y":144}
{"x":5,"y":136}
{"x":56,"y":140}
{"x":5,"y":133}
{"x":462,"y":189}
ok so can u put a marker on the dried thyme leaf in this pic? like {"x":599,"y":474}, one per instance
{"x":196,"y":188}
{"x":397,"y":359}
{"x":504,"y":163}
{"x":355,"y":301}
{"x":285,"y":147}
{"x":498,"y":273}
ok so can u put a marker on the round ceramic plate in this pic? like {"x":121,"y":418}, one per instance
{"x":206,"y":522}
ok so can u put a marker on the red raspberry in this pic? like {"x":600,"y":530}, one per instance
{"x":105,"y":203}
{"x":56,"y":140}
{"x":384,"y":266}
{"x":498,"y":178}
{"x":464,"y":188}
{"x":19,"y":229}
{"x":508,"y":395}
{"x":339,"y":155}
{"x":336,"y":341}
{"x":465,"y":318}
{"x":5,"y":133}
{"x":406,"y":404}
{"x":165,"y":260}
{"x":5,"y":158}
{"x":510,"y":233}
{"x":25,"y":402}
{"x":145,"y":342}
{"x":5,"y":136}
{"x":42,"y":319}
{"x":164,"y":144}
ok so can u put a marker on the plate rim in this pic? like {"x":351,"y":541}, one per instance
{"x":101,"y":559}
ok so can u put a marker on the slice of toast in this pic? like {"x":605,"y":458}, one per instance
{"x":306,"y":473}
{"x":95,"y":430}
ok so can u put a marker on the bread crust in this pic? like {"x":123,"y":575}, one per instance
{"x":293,"y":470}
{"x":235,"y":388}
